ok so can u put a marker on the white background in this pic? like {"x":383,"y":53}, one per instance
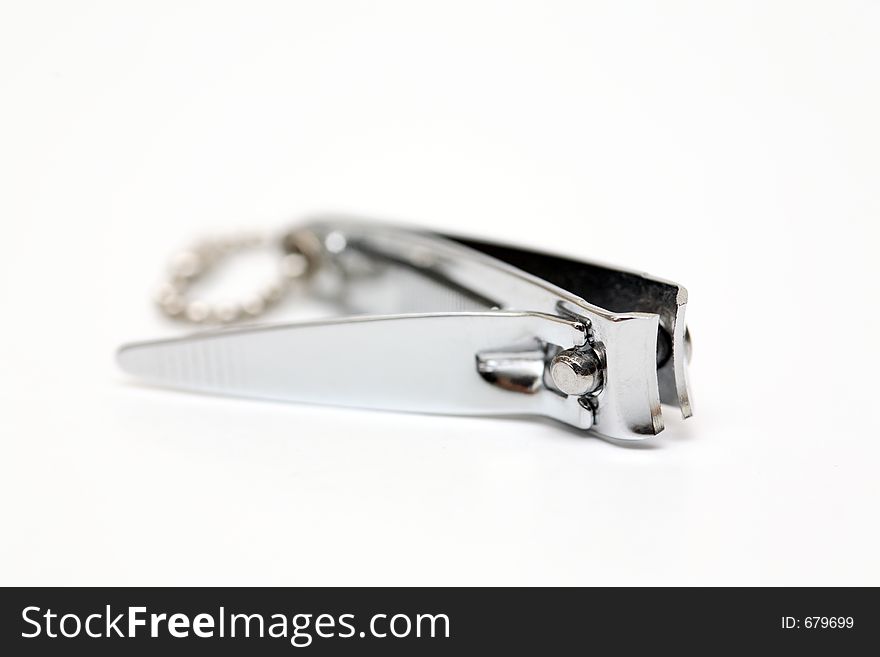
{"x":730,"y":146}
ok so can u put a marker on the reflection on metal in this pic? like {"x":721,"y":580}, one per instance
{"x":517,"y":370}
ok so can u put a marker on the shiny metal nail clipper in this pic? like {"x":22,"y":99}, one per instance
{"x":438,"y":324}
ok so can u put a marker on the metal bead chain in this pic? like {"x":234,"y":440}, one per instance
{"x":192,"y":264}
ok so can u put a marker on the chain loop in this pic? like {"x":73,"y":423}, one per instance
{"x":300,"y":254}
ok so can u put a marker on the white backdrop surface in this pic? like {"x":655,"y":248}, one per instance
{"x":733,"y":147}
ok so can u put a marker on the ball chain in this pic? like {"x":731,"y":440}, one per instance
{"x":298,"y":260}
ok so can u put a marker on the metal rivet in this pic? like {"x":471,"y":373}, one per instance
{"x":575,"y":372}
